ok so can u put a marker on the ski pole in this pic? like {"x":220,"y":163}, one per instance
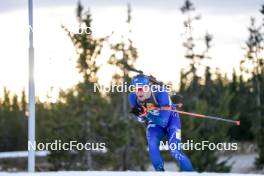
{"x":237,"y":122}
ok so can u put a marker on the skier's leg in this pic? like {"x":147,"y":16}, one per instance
{"x":174,"y":137}
{"x":154,"y":134}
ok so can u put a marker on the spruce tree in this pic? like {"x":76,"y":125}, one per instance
{"x":132,"y":153}
{"x":78,"y":113}
{"x":252,"y":67}
{"x":198,"y":92}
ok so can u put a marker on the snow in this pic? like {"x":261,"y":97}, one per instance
{"x":127,"y":173}
{"x":242,"y":163}
{"x":21,"y":154}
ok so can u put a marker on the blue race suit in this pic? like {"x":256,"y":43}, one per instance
{"x":162,"y":123}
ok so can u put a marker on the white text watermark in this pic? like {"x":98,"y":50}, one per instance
{"x":66,"y":146}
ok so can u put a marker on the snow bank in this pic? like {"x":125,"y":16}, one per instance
{"x":21,"y":154}
{"x":128,"y":173}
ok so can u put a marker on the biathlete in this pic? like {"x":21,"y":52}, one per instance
{"x":160,"y":121}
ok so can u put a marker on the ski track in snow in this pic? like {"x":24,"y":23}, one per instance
{"x":127,"y":173}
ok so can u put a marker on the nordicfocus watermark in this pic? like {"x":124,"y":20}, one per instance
{"x":58,"y":145}
{"x":125,"y":87}
{"x":203,"y":145}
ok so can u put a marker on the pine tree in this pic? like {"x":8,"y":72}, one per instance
{"x":13,"y":124}
{"x":5,"y":135}
{"x":241,"y":107}
{"x":130,"y":156}
{"x":252,"y":67}
{"x":194,"y":56}
{"x":254,"y":56}
{"x":87,"y":46}
{"x":78,"y":114}
{"x":201,"y":90}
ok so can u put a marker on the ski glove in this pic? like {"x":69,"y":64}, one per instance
{"x":137,"y":111}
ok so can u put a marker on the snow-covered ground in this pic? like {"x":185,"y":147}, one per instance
{"x":242,"y":163}
{"x":128,"y":173}
{"x":22,"y":154}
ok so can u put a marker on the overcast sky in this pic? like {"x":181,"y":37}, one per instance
{"x":225,"y":6}
{"x":153,"y":22}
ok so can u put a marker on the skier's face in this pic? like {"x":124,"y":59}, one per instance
{"x":143,"y":93}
